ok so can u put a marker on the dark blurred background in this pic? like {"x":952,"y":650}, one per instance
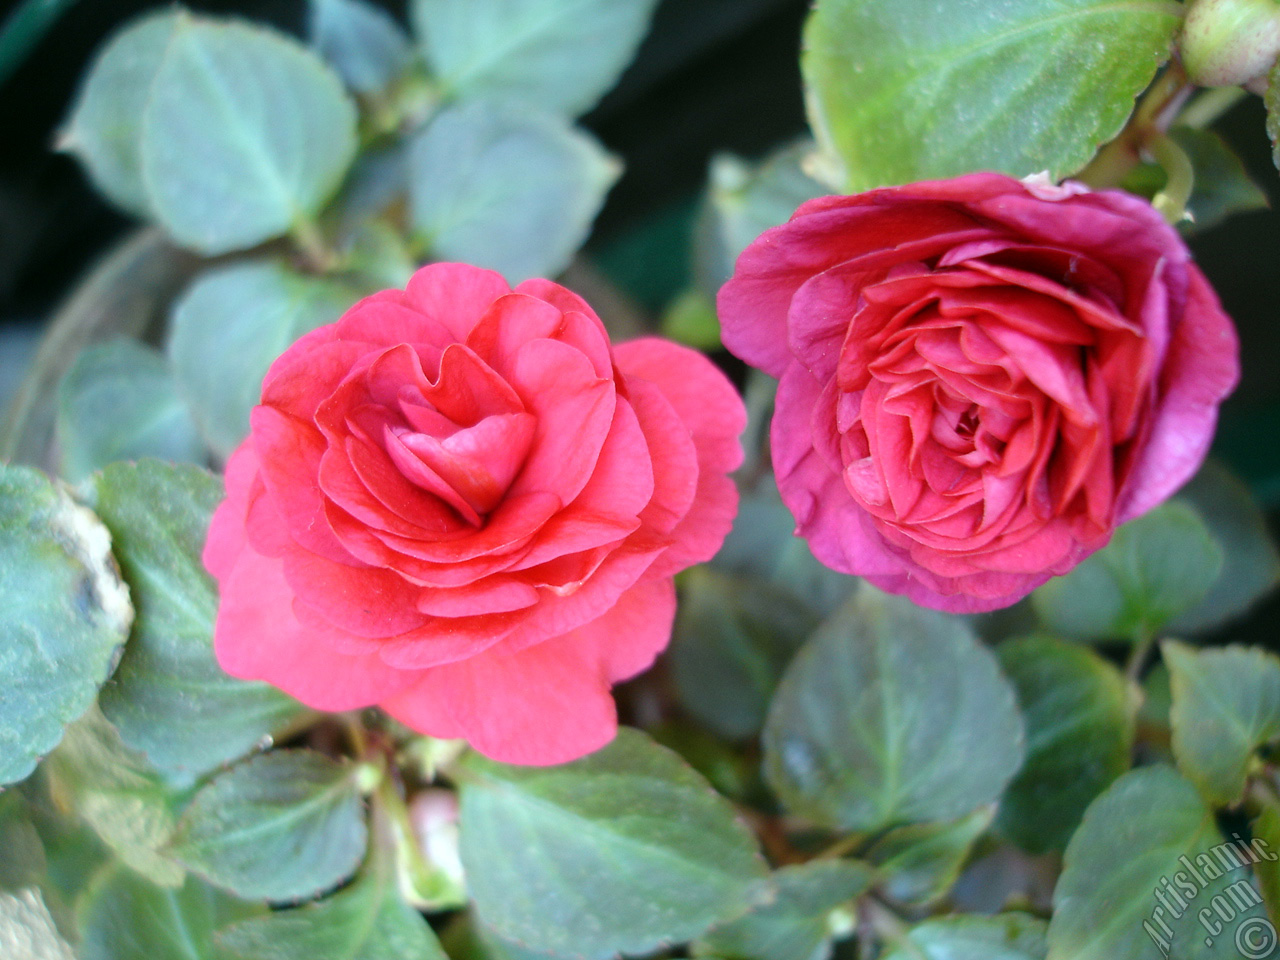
{"x":713,"y":75}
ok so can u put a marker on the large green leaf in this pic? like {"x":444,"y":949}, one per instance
{"x":1226,"y":704}
{"x":920,"y":863}
{"x":734,"y":636}
{"x":559,"y":54}
{"x":891,"y":714}
{"x":126,"y":918}
{"x":903,"y":90}
{"x":506,"y":187}
{"x":281,"y":826}
{"x":1154,"y":568}
{"x":64,"y":613}
{"x":362,"y":42}
{"x":795,"y":925}
{"x":1080,"y":730}
{"x":622,"y":850}
{"x":246,"y":134}
{"x":169,"y":698}
{"x":119,"y":795}
{"x":228,"y":328}
{"x":105,"y":127}
{"x":367,"y":920}
{"x":118,"y":402}
{"x":1266,"y":849}
{"x":1146,"y":860}
{"x":1250,"y":564}
{"x":1006,"y":936}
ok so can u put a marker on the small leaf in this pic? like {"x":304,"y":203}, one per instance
{"x":126,"y":918}
{"x":743,"y":201}
{"x":1222,"y":185}
{"x":169,"y":693}
{"x":366,"y":920}
{"x":1226,"y":704}
{"x":920,"y":863}
{"x":891,"y":714}
{"x":1154,"y":568}
{"x":1006,"y":936}
{"x":506,"y":187}
{"x":118,"y":402}
{"x":116,"y":793}
{"x":1265,"y":846}
{"x":362,"y":42}
{"x":733,"y":638}
{"x":1080,"y":730}
{"x":27,"y":930}
{"x":105,"y":127}
{"x":905,"y":90}
{"x":1251,"y":563}
{"x":281,"y":826}
{"x":1146,"y":838}
{"x":622,"y":850}
{"x":245,"y":135}
{"x":560,"y":54}
{"x":228,"y":328}
{"x":794,"y":926}
{"x":64,"y":613}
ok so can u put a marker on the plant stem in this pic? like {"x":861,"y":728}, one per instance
{"x":1172,"y":200}
{"x":1155,"y":112}
{"x":1210,"y":105}
{"x":1138,"y":659}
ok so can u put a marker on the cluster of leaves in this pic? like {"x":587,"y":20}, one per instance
{"x":318,"y":174}
{"x":821,"y":768}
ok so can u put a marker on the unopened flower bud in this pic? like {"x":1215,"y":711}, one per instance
{"x":1229,"y":42}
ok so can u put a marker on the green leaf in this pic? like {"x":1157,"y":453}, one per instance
{"x":1006,"y":936}
{"x":118,"y":402}
{"x":104,"y":129}
{"x":126,"y":918}
{"x":795,"y":925}
{"x":733,"y":638}
{"x":366,"y":920}
{"x":281,"y":826}
{"x":562,"y":55}
{"x":246,"y":134}
{"x":891,"y":714}
{"x":904,"y":90}
{"x":1154,"y":568}
{"x":1226,"y":704}
{"x":743,"y":201}
{"x":1222,"y":185}
{"x":920,"y":863}
{"x":64,"y":613}
{"x":27,"y":930}
{"x":1147,"y":838}
{"x":506,"y":187}
{"x":169,"y":692}
{"x":1251,"y":563}
{"x":1266,"y":849}
{"x":1080,"y":731}
{"x":116,"y":793}
{"x":362,"y":42}
{"x":622,"y":850}
{"x":228,"y":328}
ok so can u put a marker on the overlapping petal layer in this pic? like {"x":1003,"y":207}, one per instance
{"x":461,"y":503}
